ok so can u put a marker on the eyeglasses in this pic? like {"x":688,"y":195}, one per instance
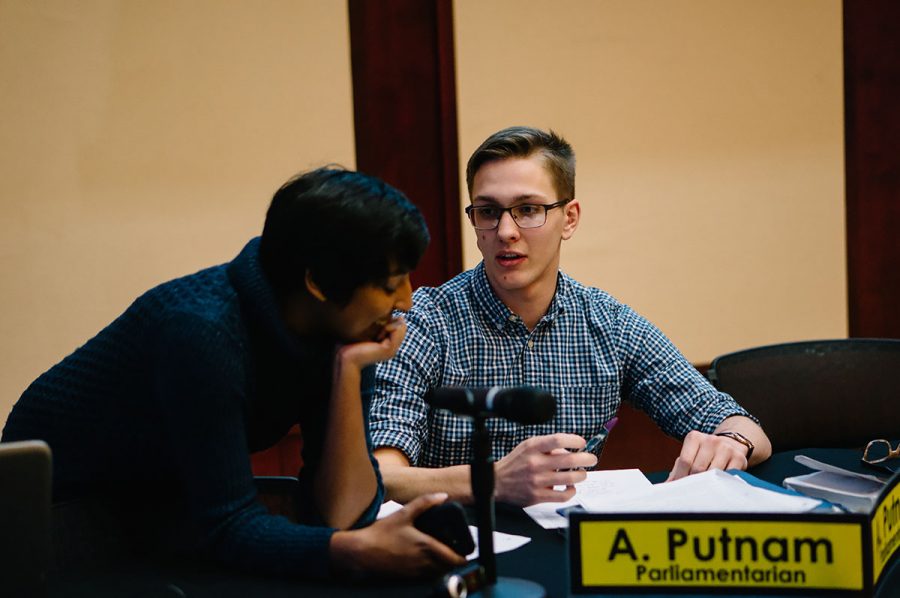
{"x":528,"y":215}
{"x":878,"y":451}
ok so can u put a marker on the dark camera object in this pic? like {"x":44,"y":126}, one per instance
{"x":447,"y":523}
{"x":461,"y":582}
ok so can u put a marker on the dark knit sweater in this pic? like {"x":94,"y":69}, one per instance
{"x":176,"y":393}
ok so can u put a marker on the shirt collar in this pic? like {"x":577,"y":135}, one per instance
{"x":500,"y":315}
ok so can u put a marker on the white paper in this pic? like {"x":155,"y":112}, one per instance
{"x":502,"y":542}
{"x":388,"y":508}
{"x":819,"y":465}
{"x":853,"y":491}
{"x":712,"y":491}
{"x":851,"y":485}
{"x":598,"y":484}
{"x":854,"y":494}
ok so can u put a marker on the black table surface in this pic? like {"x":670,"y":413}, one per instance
{"x":543,"y":560}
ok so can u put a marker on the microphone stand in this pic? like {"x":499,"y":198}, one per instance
{"x":483,"y":493}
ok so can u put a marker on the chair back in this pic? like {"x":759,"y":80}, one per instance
{"x":25,"y":489}
{"x":827,"y":393}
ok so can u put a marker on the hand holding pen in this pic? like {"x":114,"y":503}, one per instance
{"x":596,"y":442}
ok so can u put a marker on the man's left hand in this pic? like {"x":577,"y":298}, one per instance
{"x":701,"y":452}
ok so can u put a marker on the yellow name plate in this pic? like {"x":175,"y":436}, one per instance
{"x":885,"y":531}
{"x":709,"y":553}
{"x":807,"y":553}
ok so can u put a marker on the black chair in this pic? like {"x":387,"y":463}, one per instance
{"x":827,"y":393}
{"x":278,"y":494}
{"x":25,"y":486}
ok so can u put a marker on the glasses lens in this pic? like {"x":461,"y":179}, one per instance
{"x":528,"y":216}
{"x":877,"y":450}
{"x":485,"y":216}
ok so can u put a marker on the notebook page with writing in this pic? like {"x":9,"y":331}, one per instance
{"x":610,"y":482}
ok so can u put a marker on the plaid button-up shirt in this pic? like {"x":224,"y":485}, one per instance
{"x":588,"y":350}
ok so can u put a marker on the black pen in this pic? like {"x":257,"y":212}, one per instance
{"x":594,"y":445}
{"x":596,"y":442}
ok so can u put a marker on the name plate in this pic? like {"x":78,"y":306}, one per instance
{"x":811,"y":553}
{"x":885,"y":527}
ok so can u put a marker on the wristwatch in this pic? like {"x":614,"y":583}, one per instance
{"x":740,"y":438}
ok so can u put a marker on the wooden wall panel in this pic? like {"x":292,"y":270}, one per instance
{"x":872,"y":106}
{"x":404,"y":104}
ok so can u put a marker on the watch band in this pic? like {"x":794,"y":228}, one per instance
{"x":740,"y":438}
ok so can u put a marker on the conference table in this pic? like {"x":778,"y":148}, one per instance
{"x":542,"y":560}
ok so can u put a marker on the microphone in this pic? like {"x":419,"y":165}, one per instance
{"x":523,"y":404}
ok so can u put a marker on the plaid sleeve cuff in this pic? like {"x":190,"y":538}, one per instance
{"x":720,"y":408}
{"x":387,"y":435}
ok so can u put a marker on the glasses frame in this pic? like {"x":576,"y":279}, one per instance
{"x":892,"y":453}
{"x":547,"y":207}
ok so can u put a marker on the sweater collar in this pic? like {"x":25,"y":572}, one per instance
{"x":258,"y":300}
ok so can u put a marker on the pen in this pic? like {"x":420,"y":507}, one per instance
{"x":596,"y":442}
{"x":594,"y":445}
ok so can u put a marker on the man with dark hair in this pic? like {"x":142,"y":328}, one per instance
{"x":170,"y":399}
{"x":516,"y":319}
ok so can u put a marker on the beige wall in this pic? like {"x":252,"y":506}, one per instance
{"x":709,"y":136}
{"x":142,"y":141}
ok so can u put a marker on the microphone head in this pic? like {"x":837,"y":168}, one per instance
{"x":526,"y":404}
{"x":523,"y":404}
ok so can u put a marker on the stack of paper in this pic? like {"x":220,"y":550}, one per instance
{"x":613,"y":482}
{"x":713,"y":491}
{"x":855,"y":492}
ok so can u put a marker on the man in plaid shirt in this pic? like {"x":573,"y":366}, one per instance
{"x":516,"y":319}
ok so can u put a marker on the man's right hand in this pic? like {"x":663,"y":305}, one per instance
{"x":527,"y":475}
{"x":393,"y":546}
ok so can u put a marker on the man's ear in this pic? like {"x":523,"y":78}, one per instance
{"x":313,"y":288}
{"x":572,"y":211}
